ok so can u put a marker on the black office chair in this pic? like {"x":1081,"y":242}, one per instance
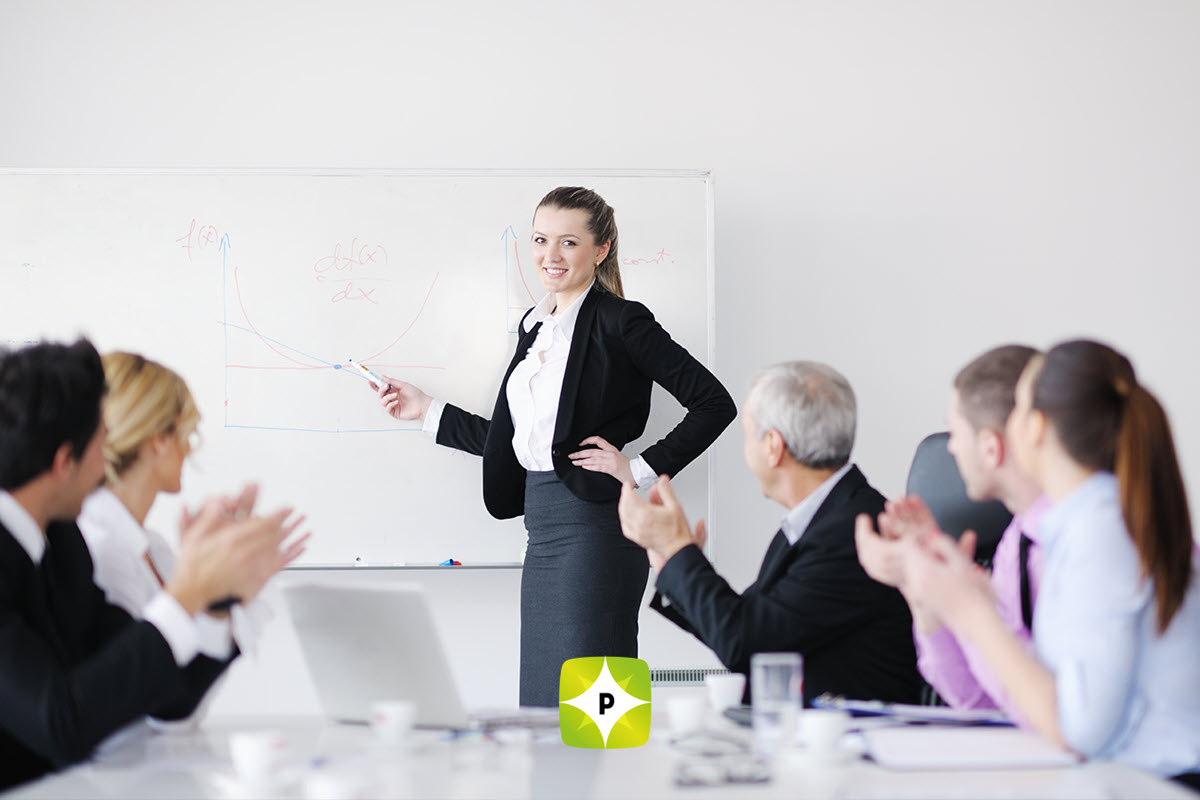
{"x":934,"y":477}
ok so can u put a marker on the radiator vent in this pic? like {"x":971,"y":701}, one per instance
{"x":682,"y":677}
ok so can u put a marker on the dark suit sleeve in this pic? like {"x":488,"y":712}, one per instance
{"x":198,"y":677}
{"x":710,"y":409}
{"x":111,"y":620}
{"x":462,"y":430}
{"x":62,"y":714}
{"x":801,"y":609}
{"x":664,"y":606}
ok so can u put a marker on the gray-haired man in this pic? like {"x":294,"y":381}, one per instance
{"x":811,"y":595}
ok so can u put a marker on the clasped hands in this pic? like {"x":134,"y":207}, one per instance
{"x":936,"y":574}
{"x":226,"y":550}
{"x":657,"y":522}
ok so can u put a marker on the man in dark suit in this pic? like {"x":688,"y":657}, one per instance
{"x":811,"y":595}
{"x":74,"y":669}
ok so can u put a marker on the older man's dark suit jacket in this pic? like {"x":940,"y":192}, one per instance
{"x":618,"y":352}
{"x":73,"y":668}
{"x":812,"y":598}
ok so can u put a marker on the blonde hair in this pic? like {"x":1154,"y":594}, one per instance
{"x":144,"y":400}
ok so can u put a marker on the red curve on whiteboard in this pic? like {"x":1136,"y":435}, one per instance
{"x":237,"y":286}
{"x":414,"y":321}
{"x":521,"y":272}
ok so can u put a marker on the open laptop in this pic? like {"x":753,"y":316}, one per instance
{"x":379,"y":642}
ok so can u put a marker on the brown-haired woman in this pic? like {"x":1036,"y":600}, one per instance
{"x":577,"y":391}
{"x":1117,"y":624}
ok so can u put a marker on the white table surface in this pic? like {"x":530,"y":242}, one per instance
{"x":196,"y":764}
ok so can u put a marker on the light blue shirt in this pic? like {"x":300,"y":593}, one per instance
{"x":799,"y":518}
{"x":1124,"y":692}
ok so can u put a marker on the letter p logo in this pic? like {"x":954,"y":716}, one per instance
{"x":604,"y":702}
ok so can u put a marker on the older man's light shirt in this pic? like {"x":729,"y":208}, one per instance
{"x":799,"y":518}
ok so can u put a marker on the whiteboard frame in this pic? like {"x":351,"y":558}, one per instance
{"x":433,"y":172}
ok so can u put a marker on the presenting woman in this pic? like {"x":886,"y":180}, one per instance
{"x":150,"y":418}
{"x":576,"y":392}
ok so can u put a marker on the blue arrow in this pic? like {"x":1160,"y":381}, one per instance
{"x":504,"y":237}
{"x":223,"y":247}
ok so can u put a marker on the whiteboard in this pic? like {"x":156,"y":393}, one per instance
{"x":257,"y":286}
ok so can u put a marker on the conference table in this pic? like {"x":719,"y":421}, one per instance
{"x":331,"y":760}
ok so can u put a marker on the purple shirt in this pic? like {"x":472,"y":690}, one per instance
{"x":954,"y":669}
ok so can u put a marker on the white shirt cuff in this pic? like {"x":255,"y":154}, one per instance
{"x":643,"y":474}
{"x":165,"y":613}
{"x":433,"y":417}
{"x":249,"y":621}
{"x":216,"y":640}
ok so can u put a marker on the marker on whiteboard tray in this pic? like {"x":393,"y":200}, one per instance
{"x":374,"y":378}
{"x":450,"y":562}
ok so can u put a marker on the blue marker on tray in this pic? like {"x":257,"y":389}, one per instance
{"x":450,"y":562}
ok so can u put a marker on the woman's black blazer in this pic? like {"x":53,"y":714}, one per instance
{"x":617,"y":353}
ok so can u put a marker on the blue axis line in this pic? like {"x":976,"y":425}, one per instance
{"x":337,"y":367}
{"x":504,"y":238}
{"x":224,"y":247}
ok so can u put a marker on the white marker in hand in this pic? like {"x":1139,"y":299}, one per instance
{"x":376,"y":381}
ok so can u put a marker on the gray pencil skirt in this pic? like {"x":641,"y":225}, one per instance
{"x":581,"y":588}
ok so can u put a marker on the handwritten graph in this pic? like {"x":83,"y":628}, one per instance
{"x":251,"y":349}
{"x":257,"y":287}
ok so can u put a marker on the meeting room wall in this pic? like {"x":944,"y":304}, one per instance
{"x":898,"y":185}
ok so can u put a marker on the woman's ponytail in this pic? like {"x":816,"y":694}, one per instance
{"x":1106,"y":421}
{"x":1154,"y":500}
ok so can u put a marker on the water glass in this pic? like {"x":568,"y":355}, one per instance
{"x":775,"y":692}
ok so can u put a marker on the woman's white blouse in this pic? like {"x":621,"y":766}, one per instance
{"x":535,"y":386}
{"x":1124,"y":692}
{"x":118,"y":545}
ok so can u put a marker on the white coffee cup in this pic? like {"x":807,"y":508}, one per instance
{"x":822,"y":730}
{"x":725,"y":690}
{"x":257,"y":755}
{"x":392,"y":720}
{"x":686,"y":713}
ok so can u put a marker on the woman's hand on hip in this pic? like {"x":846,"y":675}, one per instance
{"x":403,"y":400}
{"x":604,"y":458}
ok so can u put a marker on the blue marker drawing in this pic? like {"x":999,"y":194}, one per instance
{"x":281,"y":344}
{"x":223,"y":247}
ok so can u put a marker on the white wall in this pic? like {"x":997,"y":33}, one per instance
{"x":899,"y":185}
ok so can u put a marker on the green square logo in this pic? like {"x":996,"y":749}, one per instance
{"x":604,"y":702}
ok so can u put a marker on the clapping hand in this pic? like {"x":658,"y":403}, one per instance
{"x":227,"y":551}
{"x":658,"y":522}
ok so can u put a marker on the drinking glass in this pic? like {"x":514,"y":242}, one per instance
{"x":775,"y":681}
